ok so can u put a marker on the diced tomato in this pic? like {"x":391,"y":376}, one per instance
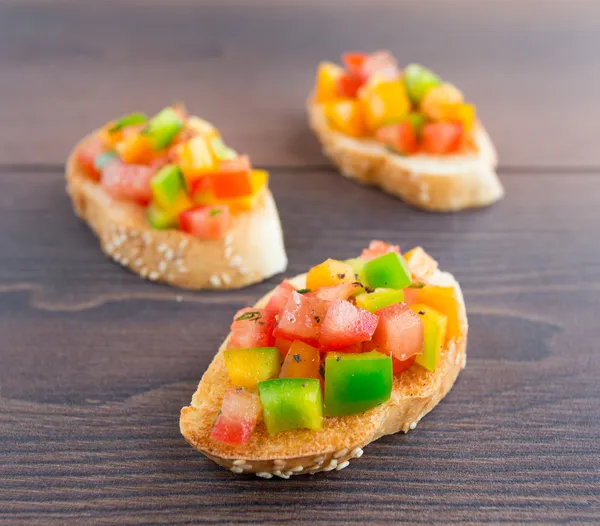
{"x":348,"y":85}
{"x":301,"y":318}
{"x":252,"y":327}
{"x":378,"y":248}
{"x":283,"y":346}
{"x":342,"y":292}
{"x":354,"y":63}
{"x":128,"y":181}
{"x":232,"y":179}
{"x":411,"y":295}
{"x":346,"y":324}
{"x":280,"y":296}
{"x":86,"y":155}
{"x":206,"y":222}
{"x":398,"y":366}
{"x":381,"y":62}
{"x":239,"y":413}
{"x":401,"y":137}
{"x":440,"y":138}
{"x":399,"y":332}
{"x":354,"y":348}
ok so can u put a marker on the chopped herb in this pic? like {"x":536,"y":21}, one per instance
{"x":422,"y":313}
{"x":416,"y":285}
{"x":341,"y":275}
{"x":303,"y":291}
{"x":297,"y":358}
{"x":215,"y":212}
{"x":250,"y":316}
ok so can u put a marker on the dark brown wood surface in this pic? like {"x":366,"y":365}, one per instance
{"x":95,"y":363}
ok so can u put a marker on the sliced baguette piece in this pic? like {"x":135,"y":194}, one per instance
{"x":252,"y":251}
{"x":437,"y":183}
{"x":415,"y":392}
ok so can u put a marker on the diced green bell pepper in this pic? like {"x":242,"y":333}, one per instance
{"x":128,"y":120}
{"x":388,"y":271}
{"x":357,"y":265}
{"x":355,"y":383}
{"x":381,"y":298}
{"x":434,"y":333}
{"x":102,"y":159}
{"x":168,"y":186}
{"x":291,"y":403}
{"x":248,"y":367}
{"x":162,"y":128}
{"x":161,"y":219}
{"x":417,"y":121}
{"x":223,"y":152}
{"x":418,"y":80}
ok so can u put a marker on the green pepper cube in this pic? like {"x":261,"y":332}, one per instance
{"x":222,"y":152}
{"x":357,"y":265}
{"x":163,"y":127}
{"x":388,"y":271}
{"x":161,"y":219}
{"x":128,"y":120}
{"x":417,"y":121}
{"x":355,"y":383}
{"x":418,"y":80}
{"x":381,"y":298}
{"x":102,"y":159}
{"x":168,"y":186}
{"x":291,"y":403}
{"x":434,"y":335}
{"x":248,"y":367}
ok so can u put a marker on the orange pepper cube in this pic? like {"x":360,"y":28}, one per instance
{"x":346,"y":116}
{"x":233,"y":179}
{"x":444,"y":300}
{"x":463,"y":113}
{"x":329,"y":274}
{"x":385,"y":102}
{"x":301,"y":361}
{"x":135,"y":149}
{"x":328,"y":75}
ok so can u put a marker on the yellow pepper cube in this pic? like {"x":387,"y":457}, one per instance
{"x":329,"y":274}
{"x":463,"y":113}
{"x":434,"y":335}
{"x":202,"y":127}
{"x":444,"y":300}
{"x":420,"y":263}
{"x":247,"y":367}
{"x":346,"y":116}
{"x":135,"y":148}
{"x":195,"y":158}
{"x":439,"y":99}
{"x":328,"y":75}
{"x":384,"y":102}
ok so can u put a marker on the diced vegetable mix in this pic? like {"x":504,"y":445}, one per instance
{"x":334,"y":347}
{"x":409,"y":111}
{"x":178,"y":167}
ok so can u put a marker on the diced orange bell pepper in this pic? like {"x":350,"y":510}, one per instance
{"x":136,"y":149}
{"x":420,"y":263}
{"x":346,"y":116}
{"x":195,"y":158}
{"x":232,"y":179}
{"x":328,"y":75}
{"x":301,"y":361}
{"x":110,"y":138}
{"x":463,"y":113}
{"x":384,"y":102}
{"x":329,"y":274}
{"x":445,"y":300}
{"x":438,"y":99}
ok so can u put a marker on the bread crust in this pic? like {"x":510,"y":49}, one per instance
{"x":436,"y":183}
{"x":252,"y":251}
{"x":415,"y":392}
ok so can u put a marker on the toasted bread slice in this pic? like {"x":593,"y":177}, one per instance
{"x":251,"y":252}
{"x":415,"y":392}
{"x":437,"y":183}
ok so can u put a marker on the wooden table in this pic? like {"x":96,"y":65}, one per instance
{"x":95,"y":363}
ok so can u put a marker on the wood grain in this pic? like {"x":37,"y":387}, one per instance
{"x":96,"y":363}
{"x":67,"y":66}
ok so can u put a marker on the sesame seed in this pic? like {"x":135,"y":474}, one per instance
{"x":161,"y":248}
{"x":183,"y":244}
{"x":239,"y":462}
{"x":264,"y":475}
{"x":124,"y":261}
{"x":118,"y":241}
{"x":243,"y":271}
{"x":356,"y":452}
{"x":236,"y":469}
{"x":153,"y":275}
{"x":457,"y":360}
{"x":168,"y":254}
{"x":279,"y":463}
{"x":340,"y":453}
{"x":109,"y":248}
{"x":116,"y":256}
{"x":215,"y":281}
{"x":138,"y":262}
{"x":180,"y":299}
{"x":228,"y":252}
{"x":343,"y":465}
{"x":183,"y":270}
{"x":236,"y":261}
{"x":332,"y":465}
{"x":280,"y":474}
{"x":297,"y":469}
{"x":226,"y":279}
{"x":313,"y":468}
{"x":147,"y":238}
{"x":288,"y":474}
{"x":413,"y":425}
{"x":228,"y":239}
{"x":162,"y":266}
{"x":144,"y":272}
{"x":134,"y":233}
{"x":321,"y":459}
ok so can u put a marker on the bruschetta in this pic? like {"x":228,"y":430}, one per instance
{"x":171,"y":202}
{"x":405,"y":131}
{"x":328,"y":362}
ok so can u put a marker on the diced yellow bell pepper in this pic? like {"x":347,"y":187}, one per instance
{"x":438,"y":99}
{"x":461,"y":112}
{"x":135,"y":148}
{"x":420,"y":263}
{"x":384,"y":102}
{"x":247,"y":367}
{"x":202,"y":127}
{"x":434,"y":333}
{"x":329,"y":274}
{"x":328,"y":75}
{"x":445,"y":300}
{"x":346,"y":116}
{"x":195,"y":158}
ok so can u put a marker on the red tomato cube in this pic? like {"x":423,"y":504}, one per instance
{"x":399,"y":332}
{"x":400,"y":137}
{"x":398,"y":366}
{"x":206,"y":222}
{"x":355,"y":348}
{"x":440,"y":138}
{"x":381,"y":62}
{"x":233,"y":179}
{"x":378,"y":248}
{"x":345,"y":324}
{"x":128,"y":181}
{"x":301,"y":318}
{"x":354,"y":63}
{"x":348,"y":85}
{"x":252,"y":327}
{"x":280,"y":296}
{"x":239,"y":413}
{"x":86,"y":155}
{"x":283,"y":346}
